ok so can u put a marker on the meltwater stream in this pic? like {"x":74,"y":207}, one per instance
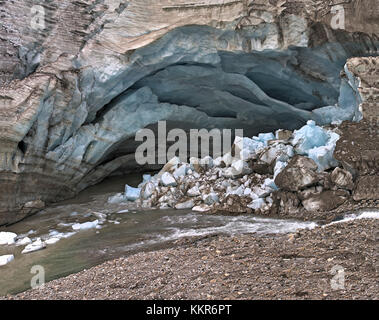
{"x":120,"y":233}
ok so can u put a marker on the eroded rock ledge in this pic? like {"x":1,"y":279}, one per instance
{"x":74,"y":94}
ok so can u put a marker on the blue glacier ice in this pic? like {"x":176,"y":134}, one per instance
{"x":308,"y":137}
{"x":131,"y":193}
{"x":323,"y":155}
{"x":316,"y":143}
{"x":264,"y":137}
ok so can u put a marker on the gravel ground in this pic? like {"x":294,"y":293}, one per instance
{"x":291,"y":266}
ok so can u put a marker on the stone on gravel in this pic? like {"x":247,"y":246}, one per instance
{"x":285,"y":202}
{"x":241,"y":167}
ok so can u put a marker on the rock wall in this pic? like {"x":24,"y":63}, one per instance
{"x":74,"y":93}
{"x":367,"y":70}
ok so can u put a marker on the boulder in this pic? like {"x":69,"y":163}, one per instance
{"x":279,"y":166}
{"x":261,"y":167}
{"x":194,"y":191}
{"x":298,"y":174}
{"x":283,"y":134}
{"x":309,"y":192}
{"x":342,"y":179}
{"x":285,"y":203}
{"x":326,"y":200}
{"x":367,"y":188}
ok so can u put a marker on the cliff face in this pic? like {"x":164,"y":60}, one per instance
{"x":74,"y":93}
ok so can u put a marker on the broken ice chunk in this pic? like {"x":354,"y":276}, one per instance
{"x":246,"y":148}
{"x":323,"y":156}
{"x":85,"y":225}
{"x":117,"y":198}
{"x":5,"y":259}
{"x":256,"y":204}
{"x":189,"y":204}
{"x":265,"y":137}
{"x":241,"y":167}
{"x":308,"y":137}
{"x":201,"y":208}
{"x":193,"y":192}
{"x":147,"y":190}
{"x":210,"y":198}
{"x":181,"y":171}
{"x":131,"y":193}
{"x":34,"y":246}
{"x":279,"y":166}
{"x":269,"y":184}
{"x":23,"y":241}
{"x":168,"y":180}
{"x":7,"y":237}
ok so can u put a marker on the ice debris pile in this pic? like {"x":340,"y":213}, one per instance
{"x":285,"y":169}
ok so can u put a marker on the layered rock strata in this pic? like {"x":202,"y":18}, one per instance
{"x":74,"y":93}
